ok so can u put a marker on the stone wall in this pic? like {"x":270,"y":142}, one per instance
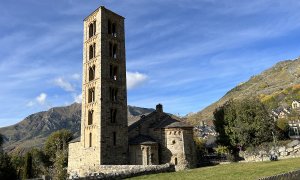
{"x":291,"y":150}
{"x":293,"y":175}
{"x":123,"y":171}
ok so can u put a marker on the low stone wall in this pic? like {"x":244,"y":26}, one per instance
{"x":293,"y":175}
{"x":291,"y":150}
{"x":124,"y":171}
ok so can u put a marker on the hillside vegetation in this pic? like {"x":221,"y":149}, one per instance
{"x":277,"y":86}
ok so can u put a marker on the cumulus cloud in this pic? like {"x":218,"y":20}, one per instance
{"x":65,"y":85}
{"x":78,"y":98}
{"x":40,"y":99}
{"x":135,"y":79}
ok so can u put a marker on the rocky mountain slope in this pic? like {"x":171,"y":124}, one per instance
{"x":34,"y":129}
{"x":277,"y":86}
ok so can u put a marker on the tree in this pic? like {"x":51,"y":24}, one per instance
{"x":283,"y":125}
{"x":1,"y":141}
{"x":28,"y":167}
{"x":243,"y":123}
{"x":56,"y":148}
{"x":57,"y":141}
{"x":7,"y":171}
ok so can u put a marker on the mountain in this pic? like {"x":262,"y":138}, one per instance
{"x":34,"y":129}
{"x":277,"y":86}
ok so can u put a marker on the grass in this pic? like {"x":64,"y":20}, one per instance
{"x":232,"y":171}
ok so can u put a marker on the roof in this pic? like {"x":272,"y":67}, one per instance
{"x":142,"y":139}
{"x":160,"y":120}
{"x":75,"y":140}
{"x":103,"y":8}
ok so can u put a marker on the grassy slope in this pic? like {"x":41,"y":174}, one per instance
{"x":232,"y":171}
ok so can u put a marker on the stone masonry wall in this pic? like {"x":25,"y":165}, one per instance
{"x":291,"y":150}
{"x":123,"y":171}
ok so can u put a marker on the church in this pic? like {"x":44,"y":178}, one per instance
{"x":106,"y":138}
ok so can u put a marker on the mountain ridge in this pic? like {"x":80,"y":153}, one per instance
{"x":267,"y":85}
{"x":33,"y":130}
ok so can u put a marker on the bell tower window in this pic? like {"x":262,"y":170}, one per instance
{"x":109,"y":27}
{"x":114,"y":30}
{"x":92,"y":73}
{"x":91,"y":95}
{"x":114,"y":55}
{"x":92,"y":29}
{"x":113,"y":72}
{"x":92,"y":51}
{"x":113,"y":94}
{"x":90,"y":117}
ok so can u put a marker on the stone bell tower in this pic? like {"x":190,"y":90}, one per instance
{"x":104,"y":126}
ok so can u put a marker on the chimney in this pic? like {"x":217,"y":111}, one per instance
{"x":159,"y":108}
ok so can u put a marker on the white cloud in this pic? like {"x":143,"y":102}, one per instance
{"x":64,"y":84}
{"x":76,"y":76}
{"x":41,"y":99}
{"x":135,"y":79}
{"x":78,"y":98}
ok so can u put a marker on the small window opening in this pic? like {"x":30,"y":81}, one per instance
{"x":92,"y":51}
{"x":113,"y":94}
{"x":90,"y":117}
{"x":114,"y":138}
{"x":109,"y":27}
{"x":173,"y":142}
{"x":92,"y":29}
{"x":91,"y":95}
{"x":92,"y":73}
{"x":113,"y":115}
{"x":90,"y":142}
{"x":113,"y":72}
{"x":114,"y":30}
{"x":114,"y":55}
{"x":175,"y":160}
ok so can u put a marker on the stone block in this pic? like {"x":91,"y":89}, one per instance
{"x":293,"y":143}
{"x":282,"y":149}
{"x":290,"y":149}
{"x":297,"y":147}
{"x":283,"y":153}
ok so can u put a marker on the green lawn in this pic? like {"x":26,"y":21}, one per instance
{"x":232,"y":171}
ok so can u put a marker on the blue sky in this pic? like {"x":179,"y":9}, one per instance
{"x":185,"y":54}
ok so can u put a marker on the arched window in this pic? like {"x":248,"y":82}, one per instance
{"x":91,"y":95}
{"x":92,"y":29}
{"x":109,"y":27}
{"x":90,"y":117}
{"x":114,"y":30}
{"x":113,"y":94}
{"x":90,"y":140}
{"x":92,"y":73}
{"x":92,"y":51}
{"x":113,"y":72}
{"x":115,"y":47}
